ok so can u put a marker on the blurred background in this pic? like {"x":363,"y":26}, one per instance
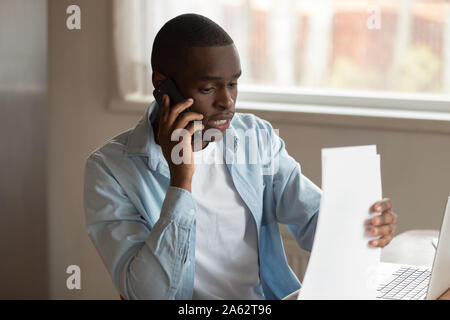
{"x":400,"y":46}
{"x":324,"y":73}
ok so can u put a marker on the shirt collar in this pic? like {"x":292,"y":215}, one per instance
{"x":141,"y":141}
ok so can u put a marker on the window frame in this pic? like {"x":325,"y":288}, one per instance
{"x":265,"y":99}
{"x":297,"y":97}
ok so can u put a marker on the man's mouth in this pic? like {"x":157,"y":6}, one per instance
{"x":220,"y":122}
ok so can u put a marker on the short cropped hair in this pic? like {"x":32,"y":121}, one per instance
{"x":178,"y":34}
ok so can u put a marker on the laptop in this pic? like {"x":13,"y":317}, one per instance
{"x":411,"y":282}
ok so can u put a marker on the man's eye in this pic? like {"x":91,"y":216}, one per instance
{"x":206,"y":90}
{"x":233,"y":84}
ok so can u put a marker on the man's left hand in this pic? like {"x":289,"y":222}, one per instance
{"x":383,"y":225}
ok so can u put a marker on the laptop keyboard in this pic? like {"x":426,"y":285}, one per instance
{"x":406,"y":284}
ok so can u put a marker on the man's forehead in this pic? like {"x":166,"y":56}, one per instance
{"x":213,"y":61}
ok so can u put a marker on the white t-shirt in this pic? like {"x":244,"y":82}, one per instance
{"x":226,"y":253}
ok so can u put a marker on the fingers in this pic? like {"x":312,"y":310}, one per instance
{"x":184,"y":119}
{"x":165,"y":108}
{"x":383,"y":230}
{"x":175,"y":111}
{"x":383,"y":225}
{"x":172,"y":117}
{"x":381,"y":242}
{"x":382,"y":205}
{"x":195,"y":126}
{"x":386,"y":217}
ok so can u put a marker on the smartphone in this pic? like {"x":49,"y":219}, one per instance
{"x":169,"y":87}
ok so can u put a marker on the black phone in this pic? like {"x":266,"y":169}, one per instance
{"x":169,"y":87}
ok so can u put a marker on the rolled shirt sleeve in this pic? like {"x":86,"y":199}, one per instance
{"x":144,"y":262}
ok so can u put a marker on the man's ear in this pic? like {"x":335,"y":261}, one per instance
{"x":157,"y":79}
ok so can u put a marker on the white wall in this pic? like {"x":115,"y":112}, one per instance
{"x":23,"y":34}
{"x":79,"y":78}
{"x":414,"y":164}
{"x":23,"y":228}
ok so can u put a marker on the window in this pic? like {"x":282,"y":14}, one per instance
{"x":340,"y":52}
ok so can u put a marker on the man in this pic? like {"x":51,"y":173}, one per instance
{"x":201,"y":228}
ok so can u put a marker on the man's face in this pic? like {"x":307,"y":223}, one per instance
{"x":210,"y":78}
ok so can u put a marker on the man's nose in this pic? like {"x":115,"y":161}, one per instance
{"x":225,"y":100}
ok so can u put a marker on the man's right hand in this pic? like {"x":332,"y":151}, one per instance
{"x":181,"y":172}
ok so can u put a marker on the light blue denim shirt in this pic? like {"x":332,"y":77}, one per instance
{"x":144,"y":229}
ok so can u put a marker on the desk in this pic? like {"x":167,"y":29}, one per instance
{"x":411,"y":247}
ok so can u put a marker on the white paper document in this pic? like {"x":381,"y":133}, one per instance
{"x":342,"y":264}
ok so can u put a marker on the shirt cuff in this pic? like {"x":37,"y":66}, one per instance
{"x":179,"y":206}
